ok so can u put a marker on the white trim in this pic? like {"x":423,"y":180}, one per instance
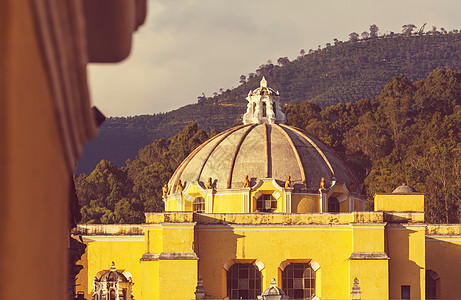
{"x":259,"y":264}
{"x":263,"y":180}
{"x":314,"y":265}
{"x":189,"y":198}
{"x":113,"y":238}
{"x":178,"y":225}
{"x":236,"y":227}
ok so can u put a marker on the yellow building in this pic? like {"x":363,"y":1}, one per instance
{"x":264,"y":201}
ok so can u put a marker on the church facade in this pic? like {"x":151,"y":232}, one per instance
{"x":266,"y":202}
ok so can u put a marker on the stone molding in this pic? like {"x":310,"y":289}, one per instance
{"x":169,"y":256}
{"x":368,"y":256}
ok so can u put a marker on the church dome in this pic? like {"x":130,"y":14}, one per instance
{"x":262,"y":151}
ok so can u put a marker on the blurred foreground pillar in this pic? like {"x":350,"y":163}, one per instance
{"x":45,"y":120}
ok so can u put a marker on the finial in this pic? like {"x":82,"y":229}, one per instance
{"x":180,"y":187}
{"x":247,"y":182}
{"x":322,"y":183}
{"x":165,"y":190}
{"x":273,"y":282}
{"x":209,"y":184}
{"x":288,"y":182}
{"x":263,"y":82}
{"x":112,"y":267}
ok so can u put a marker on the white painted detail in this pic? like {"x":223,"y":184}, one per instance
{"x":276,"y":194}
{"x":263,"y":106}
{"x":228,"y":264}
{"x":257,"y":194}
{"x":314,"y":265}
{"x":259,"y":264}
{"x":189,"y":198}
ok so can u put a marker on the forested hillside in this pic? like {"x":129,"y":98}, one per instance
{"x":410,"y":132}
{"x":339,"y":72}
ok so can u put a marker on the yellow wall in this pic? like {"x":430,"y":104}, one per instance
{"x":124,"y":251}
{"x":373,"y":278}
{"x":231,"y":203}
{"x":406,"y":249}
{"x":177,"y":279}
{"x":183,"y":246}
{"x":399,"y":202}
{"x":220,"y":244}
{"x":305,"y":203}
{"x":443,"y":255}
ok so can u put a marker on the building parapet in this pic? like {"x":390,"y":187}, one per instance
{"x":109,"y":229}
{"x":265,"y":218}
{"x":443,"y":229}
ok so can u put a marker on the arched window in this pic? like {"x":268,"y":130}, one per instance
{"x":333,"y":205}
{"x":198,"y":205}
{"x":266,"y":203}
{"x":264,"y":110}
{"x":243,"y":281}
{"x":298,"y":281}
{"x":431,"y":284}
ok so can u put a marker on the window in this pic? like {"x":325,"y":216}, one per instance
{"x":333,"y":205}
{"x":298,"y":281}
{"x":264,"y":110}
{"x":266,"y":203}
{"x":431,"y":284}
{"x":243,"y":281}
{"x":198,"y":205}
{"x":405,"y":292}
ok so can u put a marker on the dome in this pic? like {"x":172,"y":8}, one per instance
{"x":262,"y":151}
{"x":273,"y":292}
{"x":113,"y":275}
{"x":404,"y":189}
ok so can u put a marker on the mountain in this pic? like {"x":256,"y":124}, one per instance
{"x":339,"y":73}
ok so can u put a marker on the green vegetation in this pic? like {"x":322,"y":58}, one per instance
{"x":410,"y":132}
{"x":122,"y":195}
{"x":338,"y":73}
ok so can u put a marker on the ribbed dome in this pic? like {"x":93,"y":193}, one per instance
{"x":262,"y":151}
{"x":404,"y":189}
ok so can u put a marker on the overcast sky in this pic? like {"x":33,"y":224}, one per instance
{"x":194,"y":46}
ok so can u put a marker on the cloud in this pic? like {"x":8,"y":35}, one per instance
{"x":189,"y":47}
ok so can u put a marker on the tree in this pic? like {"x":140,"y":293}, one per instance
{"x":201,"y":98}
{"x":353,"y":37}
{"x":408,"y":29}
{"x":421,"y":29}
{"x":283,"y":61}
{"x":365,"y":35}
{"x":374,"y":31}
{"x":302,"y":52}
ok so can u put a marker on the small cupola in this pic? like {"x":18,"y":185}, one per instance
{"x":263,"y":106}
{"x":273,"y":292}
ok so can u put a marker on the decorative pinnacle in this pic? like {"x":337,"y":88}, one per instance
{"x":112,"y":267}
{"x":263,"y":82}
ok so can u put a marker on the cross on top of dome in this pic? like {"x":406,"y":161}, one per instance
{"x":263,"y":82}
{"x":263,"y":106}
